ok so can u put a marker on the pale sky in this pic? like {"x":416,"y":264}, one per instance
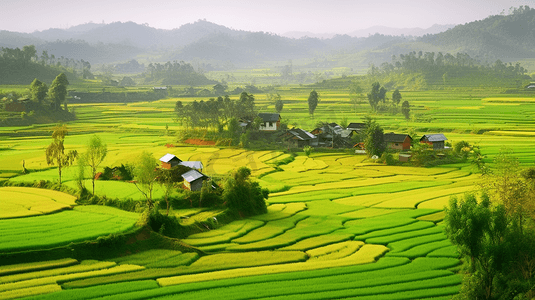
{"x":276,"y":16}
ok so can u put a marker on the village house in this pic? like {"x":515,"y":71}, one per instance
{"x":298,"y":138}
{"x":169,"y":161}
{"x":270,"y":121}
{"x":395,"y":141}
{"x":436,"y":140}
{"x":332,"y":135}
{"x":356,"y":127}
{"x":193,"y":180}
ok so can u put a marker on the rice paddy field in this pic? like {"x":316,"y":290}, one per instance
{"x":338,"y":224}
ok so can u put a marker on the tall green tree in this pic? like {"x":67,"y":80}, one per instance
{"x":498,"y":250}
{"x":374,"y":95}
{"x":313,"y":100}
{"x":396,"y":97}
{"x":38,"y":90}
{"x":55,"y":152}
{"x":145,"y":173}
{"x":406,"y":109}
{"x":279,"y":105}
{"x":355,"y":93}
{"x":374,"y":138}
{"x":95,"y":154}
{"x":58,"y":91}
{"x":169,"y":179}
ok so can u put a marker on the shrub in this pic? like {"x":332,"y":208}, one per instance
{"x":165,"y":225}
{"x":243,"y":195}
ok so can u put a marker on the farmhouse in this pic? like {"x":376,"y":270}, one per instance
{"x":397,"y":141}
{"x":332,"y":135}
{"x":193,"y":180}
{"x":270,"y":121}
{"x":437,"y":140}
{"x":299,"y":138}
{"x":169,"y":161}
{"x":356,"y":127}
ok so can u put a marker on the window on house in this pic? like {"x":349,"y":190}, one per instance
{"x":270,"y":124}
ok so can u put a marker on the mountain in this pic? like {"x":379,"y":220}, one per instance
{"x":506,"y":37}
{"x":436,"y":28}
{"x":301,"y":34}
{"x":136,"y":35}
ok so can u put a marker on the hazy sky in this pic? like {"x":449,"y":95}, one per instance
{"x":276,"y":16}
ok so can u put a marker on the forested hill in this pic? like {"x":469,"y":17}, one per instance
{"x":505,"y":37}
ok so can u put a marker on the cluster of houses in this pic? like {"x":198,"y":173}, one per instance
{"x":193,"y":178}
{"x":328,"y":135}
{"x":334,"y":136}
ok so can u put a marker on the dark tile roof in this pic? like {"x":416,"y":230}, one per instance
{"x":269,"y":117}
{"x":438,"y":137}
{"x":301,"y":134}
{"x":395,"y":137}
{"x":356,"y":126}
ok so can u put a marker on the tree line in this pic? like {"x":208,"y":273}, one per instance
{"x":215,"y":113}
{"x":441,"y":66}
{"x":175,"y":73}
{"x":18,"y":65}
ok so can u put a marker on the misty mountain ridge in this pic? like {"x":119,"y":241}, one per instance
{"x":507,"y":37}
{"x":384,"y":30}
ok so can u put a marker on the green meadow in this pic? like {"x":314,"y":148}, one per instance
{"x":338,"y":225}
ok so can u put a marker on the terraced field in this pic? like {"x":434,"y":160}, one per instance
{"x":23,"y":202}
{"x":345,"y":236}
{"x":79,"y":224}
{"x":338,"y":225}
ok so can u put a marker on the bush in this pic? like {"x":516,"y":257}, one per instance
{"x":243,"y":195}
{"x":166,"y":225}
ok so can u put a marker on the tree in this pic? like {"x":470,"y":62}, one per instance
{"x":38,"y":90}
{"x":55,"y":152}
{"x":145,"y":174}
{"x":374,"y":95}
{"x":279,"y":105}
{"x":382,"y":94}
{"x":355,"y":92}
{"x":95,"y":154}
{"x":169,"y":178}
{"x":374,"y":138}
{"x":396,"y":97}
{"x":219,"y":89}
{"x":243,"y":195}
{"x":313,"y":100}
{"x":499,"y":251}
{"x":58,"y":91}
{"x":406,"y":109}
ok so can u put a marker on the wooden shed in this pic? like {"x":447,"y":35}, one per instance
{"x":397,"y":141}
{"x":193,"y":180}
{"x":436,"y":140}
{"x":169,"y":161}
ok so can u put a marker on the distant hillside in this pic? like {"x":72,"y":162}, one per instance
{"x":505,"y":37}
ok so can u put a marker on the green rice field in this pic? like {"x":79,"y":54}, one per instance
{"x":338,"y":225}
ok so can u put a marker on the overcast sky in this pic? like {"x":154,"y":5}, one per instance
{"x":276,"y":16}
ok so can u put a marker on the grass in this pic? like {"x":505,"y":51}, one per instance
{"x":25,"y":202}
{"x":36,"y":266}
{"x":81,"y":223}
{"x":318,"y":203}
